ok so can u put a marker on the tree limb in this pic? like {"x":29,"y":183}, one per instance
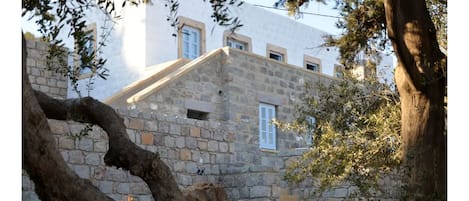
{"x":41,"y":159}
{"x":122,"y":152}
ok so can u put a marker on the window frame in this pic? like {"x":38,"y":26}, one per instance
{"x":190,"y":43}
{"x":235,"y":43}
{"x":264,"y":144}
{"x":312,"y":60}
{"x":190,"y":23}
{"x":311,"y":127}
{"x":247,"y":41}
{"x":278,"y":54}
{"x":276,"y":50}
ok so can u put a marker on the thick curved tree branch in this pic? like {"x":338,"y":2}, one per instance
{"x":41,"y":159}
{"x":122,"y":152}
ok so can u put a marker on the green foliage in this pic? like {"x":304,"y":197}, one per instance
{"x":356,"y":137}
{"x":439,"y":14}
{"x":363,"y":23}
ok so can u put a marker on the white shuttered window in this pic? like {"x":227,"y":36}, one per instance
{"x":190,"y":42}
{"x":267,"y":131}
{"x":312,"y":127}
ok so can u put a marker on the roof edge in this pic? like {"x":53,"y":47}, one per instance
{"x":167,"y":66}
{"x":142,"y":94}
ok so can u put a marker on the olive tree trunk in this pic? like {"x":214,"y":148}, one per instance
{"x":421,"y":81}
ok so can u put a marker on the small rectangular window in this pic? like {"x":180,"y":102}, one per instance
{"x":276,"y":56}
{"x":236,"y":44}
{"x":276,"y":52}
{"x":194,"y":114}
{"x":267,"y":130}
{"x":312,"y":66}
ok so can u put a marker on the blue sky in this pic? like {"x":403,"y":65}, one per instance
{"x":317,"y":21}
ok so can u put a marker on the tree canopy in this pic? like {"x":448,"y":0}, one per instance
{"x":355,"y":134}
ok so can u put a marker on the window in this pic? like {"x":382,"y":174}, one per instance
{"x":191,"y":38}
{"x":311,"y":127}
{"x":312,"y":66}
{"x":277,"y":53}
{"x":276,"y":56}
{"x":312,"y":63}
{"x":190,"y":42}
{"x":267,"y":130}
{"x":194,"y":114}
{"x":236,"y":40}
{"x":236,"y":44}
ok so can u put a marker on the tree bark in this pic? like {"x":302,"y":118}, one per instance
{"x":122,"y":152}
{"x":45,"y":166}
{"x":421,"y":82}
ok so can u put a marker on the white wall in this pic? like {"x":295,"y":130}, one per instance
{"x":144,"y":38}
{"x":260,"y":25}
{"x":124,"y":51}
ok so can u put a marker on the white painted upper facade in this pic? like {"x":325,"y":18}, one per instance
{"x":144,"y":38}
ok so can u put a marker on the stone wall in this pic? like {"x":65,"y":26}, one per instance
{"x":223,"y":149}
{"x":52,"y":83}
{"x":187,"y":146}
{"x":199,"y":86}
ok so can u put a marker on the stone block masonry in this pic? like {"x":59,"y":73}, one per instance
{"x":191,"y":155}
{"x":223,"y":149}
{"x":44,"y":80}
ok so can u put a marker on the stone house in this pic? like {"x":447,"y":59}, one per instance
{"x":208,"y":120}
{"x":207,"y":110}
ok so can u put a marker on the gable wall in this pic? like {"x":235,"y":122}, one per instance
{"x":200,"y":85}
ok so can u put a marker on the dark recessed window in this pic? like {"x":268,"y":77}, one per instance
{"x":276,"y":56}
{"x":194,"y":114}
{"x":312,"y":66}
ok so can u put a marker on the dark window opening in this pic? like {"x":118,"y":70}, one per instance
{"x":312,"y":66}
{"x":194,"y":114}
{"x":276,"y":56}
